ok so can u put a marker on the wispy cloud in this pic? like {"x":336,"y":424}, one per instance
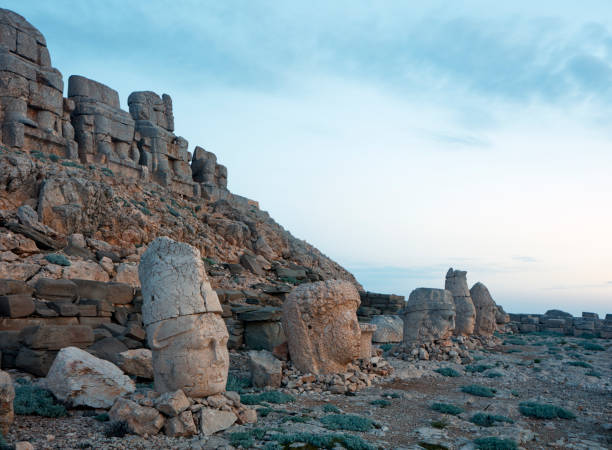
{"x":525,"y":259}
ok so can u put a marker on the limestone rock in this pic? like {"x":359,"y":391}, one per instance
{"x":389,"y":329}
{"x":213,"y":420}
{"x":84,"y":380}
{"x":182,"y":425}
{"x":266,"y":370}
{"x":429,"y":316}
{"x":365,"y":340}
{"x":456,"y":283}
{"x":7,"y":395}
{"x":141,"y":419}
{"x":172,"y":403}
{"x":137,"y":362}
{"x":320,"y":322}
{"x":486,"y":310}
{"x":127,"y":273}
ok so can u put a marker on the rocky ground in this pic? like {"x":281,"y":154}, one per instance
{"x":572,"y":373}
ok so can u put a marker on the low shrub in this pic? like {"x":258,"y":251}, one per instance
{"x":386,"y":347}
{"x":348,"y":422}
{"x":117,"y":428}
{"x":514,"y":341}
{"x":448,"y":372}
{"x":488,"y":420}
{"x":276,"y":397}
{"x":72,"y":164}
{"x":495,"y":443}
{"x":237,"y":384}
{"x":106,"y":171}
{"x":580,"y":364}
{"x":241,"y":439}
{"x":173,"y":211}
{"x":478,"y":390}
{"x":472,"y":368}
{"x":439,"y":424}
{"x":591,"y":346}
{"x":544,"y":411}
{"x":54,"y":158}
{"x":446,"y":408}
{"x":56,"y":258}
{"x":322,"y":441}
{"x":380,"y":402}
{"x":494,"y":374}
{"x":102,"y":417}
{"x":331,"y":409}
{"x":593,"y":373}
{"x":31,"y":400}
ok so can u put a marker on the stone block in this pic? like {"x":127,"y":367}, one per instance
{"x":92,"y":290}
{"x":94,"y":321}
{"x":57,"y":337}
{"x":36,"y":362}
{"x":266,"y":369}
{"x":57,"y":290}
{"x":79,"y":86}
{"x":16,"y":305}
{"x":263,"y":335}
{"x":119,"y":293}
{"x":14,"y":287}
{"x":21,"y":323}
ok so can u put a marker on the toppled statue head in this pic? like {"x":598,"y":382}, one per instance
{"x":320,"y":322}
{"x":429,"y":316}
{"x":182,"y":315}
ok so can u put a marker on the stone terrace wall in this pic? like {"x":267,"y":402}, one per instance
{"x":89,"y":125}
{"x":373,"y":304}
{"x":555,"y":321}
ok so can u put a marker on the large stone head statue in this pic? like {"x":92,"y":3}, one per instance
{"x":456,"y":283}
{"x":320,"y":322}
{"x":182,"y":315}
{"x":429,"y":316}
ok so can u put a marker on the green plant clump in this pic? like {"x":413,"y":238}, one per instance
{"x":237,"y":384}
{"x":544,"y":411}
{"x":495,"y":443}
{"x":478,"y":390}
{"x":331,"y":409}
{"x":323,"y":440}
{"x":439,"y":424}
{"x":479,"y":368}
{"x":591,"y":346}
{"x":448,"y":372}
{"x":580,"y":364}
{"x":117,"y":428}
{"x":54,"y":158}
{"x":173,"y":211}
{"x":31,"y":400}
{"x":102,"y":417}
{"x":488,"y":420}
{"x":242,"y":439}
{"x":106,"y":171}
{"x":56,"y":258}
{"x":268,"y":397}
{"x":494,"y":374}
{"x":72,"y":164}
{"x":386,"y":347}
{"x":380,"y":402}
{"x":446,"y":408}
{"x":593,"y":373}
{"x":348,"y":422}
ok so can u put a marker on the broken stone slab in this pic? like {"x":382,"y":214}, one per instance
{"x":108,"y":349}
{"x":182,"y":425}
{"x":16,"y":305}
{"x":36,"y":362}
{"x":64,"y":309}
{"x":53,"y":337}
{"x":389,"y":329}
{"x":264,"y":335}
{"x":172,"y":403}
{"x":214,"y":420}
{"x":43,"y":241}
{"x":265,"y":314}
{"x":81,"y":379}
{"x":266,"y":369}
{"x":57,"y":290}
{"x":365,"y":344}
{"x":140,"y":419}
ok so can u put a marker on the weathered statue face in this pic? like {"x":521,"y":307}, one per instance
{"x":429,"y":316}
{"x":190,"y":353}
{"x":320,"y":322}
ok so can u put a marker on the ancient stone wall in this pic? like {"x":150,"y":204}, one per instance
{"x":374,"y":304}
{"x":560,"y":322}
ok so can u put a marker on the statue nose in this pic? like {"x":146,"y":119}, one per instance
{"x":218,"y":355}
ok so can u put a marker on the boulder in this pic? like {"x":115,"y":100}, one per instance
{"x":265,"y":369}
{"x":108,"y":348}
{"x":36,"y":362}
{"x":320,"y":322}
{"x":182,"y":425}
{"x":81,"y":379}
{"x":486,"y":310}
{"x":7,"y":395}
{"x":137,"y":362}
{"x":264,"y":335}
{"x":214,"y":420}
{"x":389,"y":329}
{"x":140,"y":419}
{"x":429,"y":316}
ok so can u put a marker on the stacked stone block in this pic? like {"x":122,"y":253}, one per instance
{"x":560,"y":322}
{"x":374,"y":304}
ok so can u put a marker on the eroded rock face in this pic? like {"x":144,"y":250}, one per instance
{"x":81,"y":379}
{"x":7,"y":395}
{"x":320,"y":322}
{"x":429,"y":316}
{"x":182,"y":315}
{"x":486,"y":310}
{"x":456,"y":283}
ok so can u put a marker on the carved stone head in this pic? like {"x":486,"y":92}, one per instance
{"x":429,"y":316}
{"x":181,"y":313}
{"x":320,"y":322}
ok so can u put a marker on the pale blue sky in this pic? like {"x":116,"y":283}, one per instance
{"x":399,"y":139}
